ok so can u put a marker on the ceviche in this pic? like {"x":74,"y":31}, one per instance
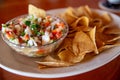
{"x":33,"y":31}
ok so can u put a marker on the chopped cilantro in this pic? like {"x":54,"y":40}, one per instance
{"x":22,"y":33}
{"x":33,"y":26}
{"x":27,"y":23}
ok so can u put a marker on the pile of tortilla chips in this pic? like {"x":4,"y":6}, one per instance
{"x":89,"y":32}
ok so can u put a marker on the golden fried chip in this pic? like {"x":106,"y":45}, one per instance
{"x":49,"y":61}
{"x":112,"y":30}
{"x":96,"y":22}
{"x":84,"y":11}
{"x":102,"y":28}
{"x":108,"y":46}
{"x":88,"y":10}
{"x":82,"y":43}
{"x":106,"y":18}
{"x":82,"y":21}
{"x":32,"y":10}
{"x":49,"y":58}
{"x":68,"y":56}
{"x":105,"y":37}
{"x":95,"y":15}
{"x":92,"y":34}
{"x":65,"y":44}
{"x":99,"y":42}
{"x":53,"y":64}
{"x":71,"y":35}
{"x":69,"y":15}
{"x":114,"y":39}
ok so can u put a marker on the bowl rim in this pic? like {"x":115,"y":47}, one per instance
{"x":25,"y":46}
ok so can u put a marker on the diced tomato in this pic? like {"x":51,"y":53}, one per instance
{"x":40,"y":51}
{"x":26,"y":37}
{"x":60,"y":24}
{"x":48,"y":17}
{"x":15,"y":31}
{"x":58,"y":35}
{"x":20,"y":40}
{"x":47,"y":24}
{"x":24,"y":26}
{"x":52,"y":37}
{"x":10,"y":34}
{"x":54,"y":32}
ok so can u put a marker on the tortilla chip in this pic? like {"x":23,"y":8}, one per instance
{"x":112,"y":30}
{"x":84,"y":11}
{"x":82,"y":21}
{"x":99,"y":42}
{"x":96,"y":22}
{"x":95,"y":15}
{"x":114,"y":39}
{"x":65,"y":45}
{"x":107,"y":47}
{"x":88,"y":10}
{"x":69,"y":15}
{"x":105,"y":37}
{"x":68,"y":56}
{"x":49,"y":61}
{"x":102,"y":28}
{"x":82,"y":43}
{"x":32,"y":10}
{"x":53,"y":64}
{"x":106,"y":18}
{"x":92,"y":34}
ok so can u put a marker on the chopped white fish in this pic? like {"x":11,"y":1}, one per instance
{"x":31,"y":42}
{"x":18,"y":28}
{"x":48,"y":28}
{"x":39,"y":20}
{"x":28,"y":31}
{"x":46,"y":38}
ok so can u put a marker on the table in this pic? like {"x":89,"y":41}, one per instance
{"x":12,"y":8}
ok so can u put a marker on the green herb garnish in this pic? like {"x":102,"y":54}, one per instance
{"x":22,"y":33}
{"x":27,"y":23}
{"x":33,"y":26}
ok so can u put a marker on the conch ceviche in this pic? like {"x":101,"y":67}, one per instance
{"x":34,"y":31}
{"x":35,"y":34}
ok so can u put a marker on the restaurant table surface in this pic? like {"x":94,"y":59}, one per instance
{"x":12,"y":8}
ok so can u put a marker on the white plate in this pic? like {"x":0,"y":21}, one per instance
{"x":25,"y":66}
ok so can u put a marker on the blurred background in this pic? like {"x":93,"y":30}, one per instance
{"x":12,"y":8}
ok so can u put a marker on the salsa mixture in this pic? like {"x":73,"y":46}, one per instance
{"x":34,"y":31}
